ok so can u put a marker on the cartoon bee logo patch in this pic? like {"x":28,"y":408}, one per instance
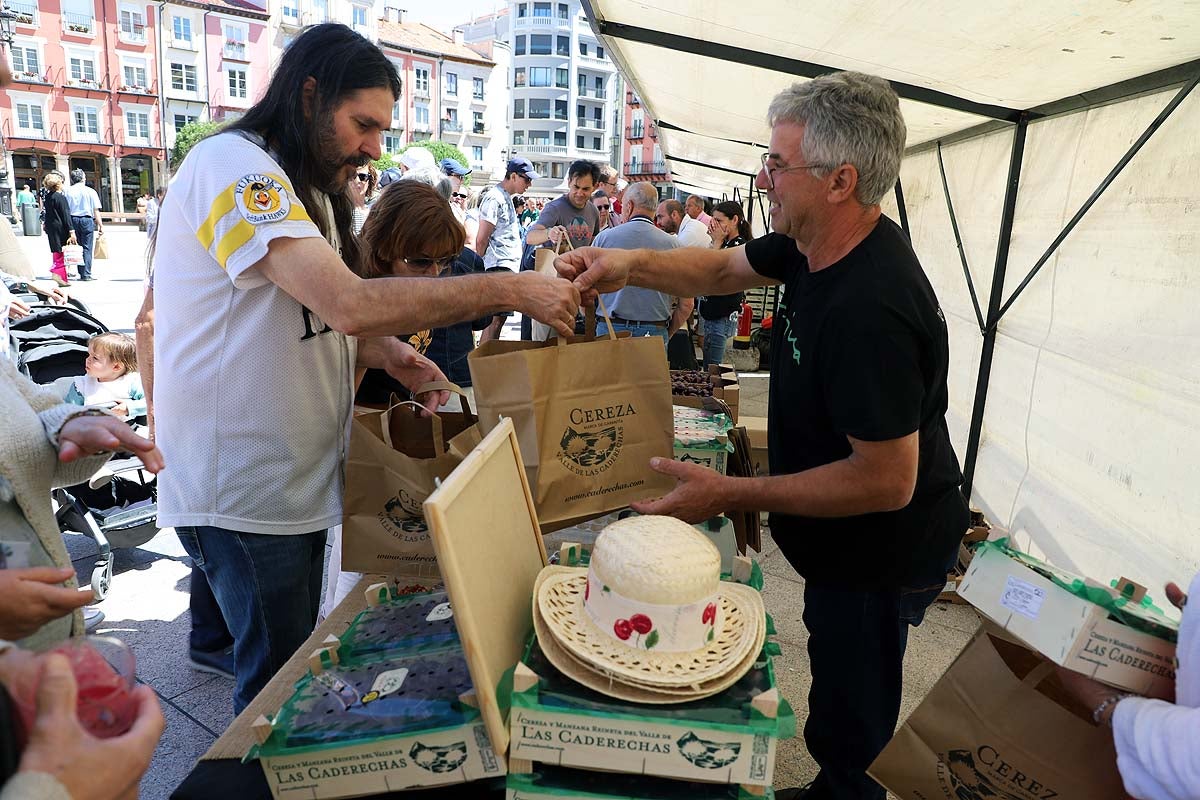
{"x":261,"y":199}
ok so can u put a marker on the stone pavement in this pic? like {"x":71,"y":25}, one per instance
{"x":148,"y":603}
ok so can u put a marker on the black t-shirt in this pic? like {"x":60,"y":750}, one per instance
{"x":860,"y":349}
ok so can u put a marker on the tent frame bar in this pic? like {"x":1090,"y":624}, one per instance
{"x":902,"y":209}
{"x":701,"y":164}
{"x":1004,"y":239}
{"x":962,"y":253}
{"x":790,"y":66}
{"x":1162,"y":117}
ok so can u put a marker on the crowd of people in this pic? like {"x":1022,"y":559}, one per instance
{"x":291,"y":280}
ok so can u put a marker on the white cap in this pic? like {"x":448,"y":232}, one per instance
{"x":418,"y":158}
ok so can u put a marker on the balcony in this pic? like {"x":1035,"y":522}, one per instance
{"x":27,"y":13}
{"x":477,"y":98}
{"x":592,"y":94}
{"x":477,"y":166}
{"x":135,"y":89}
{"x":590,"y":124}
{"x":544,"y":149}
{"x":635,"y":132}
{"x":451,"y":126}
{"x":234,"y":50}
{"x":31,"y":76}
{"x":134,"y":32}
{"x":289,"y":17}
{"x":180,"y":43}
{"x":645,"y":168}
{"x":421,"y":92}
{"x":89,"y":84}
{"x":480,"y":130}
{"x":78,"y":24}
{"x":422,"y":127}
{"x":595,"y":63}
{"x":540,"y":23}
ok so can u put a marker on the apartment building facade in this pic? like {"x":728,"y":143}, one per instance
{"x":85,"y":96}
{"x":642,"y":158}
{"x":563,"y":101}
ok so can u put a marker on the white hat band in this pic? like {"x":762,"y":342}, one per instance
{"x":649,"y":626}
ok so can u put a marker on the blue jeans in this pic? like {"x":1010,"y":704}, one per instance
{"x":85,"y":232}
{"x":268,"y":588}
{"x":209,"y":633}
{"x":856,"y":644}
{"x":636,"y":330}
{"x":717,"y":333}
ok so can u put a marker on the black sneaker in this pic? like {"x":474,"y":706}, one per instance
{"x":218,"y":663}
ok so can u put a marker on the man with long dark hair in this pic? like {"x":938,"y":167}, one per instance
{"x":257,"y":314}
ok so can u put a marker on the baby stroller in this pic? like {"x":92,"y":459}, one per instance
{"x":118,"y":507}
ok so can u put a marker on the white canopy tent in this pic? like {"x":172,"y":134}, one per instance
{"x":1075,"y":400}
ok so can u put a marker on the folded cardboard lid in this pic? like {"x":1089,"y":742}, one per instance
{"x":490,"y":551}
{"x":756,"y":427}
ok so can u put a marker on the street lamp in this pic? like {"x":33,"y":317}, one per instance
{"x":8,"y":19}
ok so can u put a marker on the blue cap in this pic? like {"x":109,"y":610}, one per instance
{"x":389,"y":176}
{"x":521,"y":166}
{"x":451,"y":167}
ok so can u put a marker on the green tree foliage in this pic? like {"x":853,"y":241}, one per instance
{"x":385,"y":161}
{"x":187,"y":137}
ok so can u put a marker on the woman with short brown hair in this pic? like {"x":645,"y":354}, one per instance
{"x":411,"y":231}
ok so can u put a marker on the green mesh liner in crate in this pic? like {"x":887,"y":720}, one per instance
{"x":548,"y":781}
{"x":404,"y":623}
{"x":729,"y":710}
{"x":356,"y":701}
{"x":1142,"y":615}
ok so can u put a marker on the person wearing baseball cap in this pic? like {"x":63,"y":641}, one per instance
{"x":498,"y":239}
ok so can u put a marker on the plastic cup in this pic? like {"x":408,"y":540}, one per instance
{"x":104,"y":669}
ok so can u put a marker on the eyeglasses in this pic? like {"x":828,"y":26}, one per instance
{"x":770,"y":171}
{"x":363,"y":176}
{"x":428,"y":263}
{"x":460,"y":195}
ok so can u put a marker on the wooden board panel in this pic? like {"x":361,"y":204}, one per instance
{"x":490,"y":550}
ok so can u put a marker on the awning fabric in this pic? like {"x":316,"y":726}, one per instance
{"x":1090,"y":443}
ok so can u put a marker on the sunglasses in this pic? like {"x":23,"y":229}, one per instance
{"x":603,"y":208}
{"x":460,"y":195}
{"x":429,"y":263}
{"x":363,"y":176}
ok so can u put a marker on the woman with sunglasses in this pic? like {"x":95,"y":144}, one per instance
{"x":413,"y":232}
{"x":718,"y":313}
{"x":363,"y":192}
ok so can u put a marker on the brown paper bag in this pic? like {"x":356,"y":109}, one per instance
{"x":99,"y":247}
{"x":999,"y":725}
{"x":543,"y":263}
{"x":395,"y":457}
{"x":589,"y":415}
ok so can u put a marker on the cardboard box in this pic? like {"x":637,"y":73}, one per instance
{"x":1070,"y":630}
{"x":556,"y":721}
{"x":719,"y":531}
{"x":555,"y":783}
{"x":441,"y":757}
{"x":756,"y":430}
{"x":725,"y":387}
{"x":702,"y":437}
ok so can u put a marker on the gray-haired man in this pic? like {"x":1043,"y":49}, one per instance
{"x":862,"y":469}
{"x":85,"y":218}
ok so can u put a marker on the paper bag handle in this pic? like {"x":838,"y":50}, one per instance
{"x":439,"y":445}
{"x":447,"y":386}
{"x":1038,"y":674}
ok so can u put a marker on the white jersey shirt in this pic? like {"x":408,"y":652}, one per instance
{"x":252,"y":392}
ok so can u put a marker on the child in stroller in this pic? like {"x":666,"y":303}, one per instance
{"x":117,"y":508}
{"x":111,"y":381}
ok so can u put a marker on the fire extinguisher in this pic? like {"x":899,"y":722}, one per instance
{"x":745,"y":320}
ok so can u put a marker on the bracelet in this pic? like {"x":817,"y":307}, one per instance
{"x":1105,"y":704}
{"x":85,"y":412}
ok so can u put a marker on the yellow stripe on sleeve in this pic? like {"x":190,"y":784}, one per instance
{"x":222,"y":205}
{"x":237,"y":236}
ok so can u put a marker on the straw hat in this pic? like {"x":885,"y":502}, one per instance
{"x":649,"y":616}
